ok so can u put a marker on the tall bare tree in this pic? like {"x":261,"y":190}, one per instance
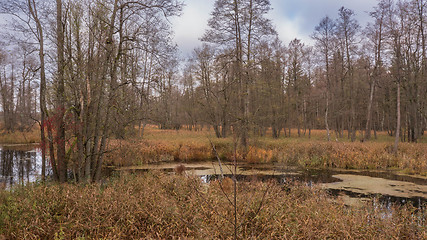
{"x":239,"y":25}
{"x":324,"y":42}
{"x":347,"y":29}
{"x":376,"y":36}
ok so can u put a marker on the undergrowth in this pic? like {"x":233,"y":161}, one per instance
{"x":160,"y":206}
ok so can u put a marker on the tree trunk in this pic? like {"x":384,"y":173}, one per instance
{"x":396,"y":141}
{"x":43,"y":109}
{"x":60,"y":94}
{"x":326,"y":117}
{"x":113,"y":61}
{"x":369,"y":116}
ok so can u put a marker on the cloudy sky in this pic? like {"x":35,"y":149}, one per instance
{"x":292,"y":18}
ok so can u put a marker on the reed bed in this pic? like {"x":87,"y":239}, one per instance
{"x":156,"y":205}
{"x":189,"y":146}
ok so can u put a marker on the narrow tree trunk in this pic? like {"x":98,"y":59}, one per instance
{"x":113,"y":79}
{"x":369,"y":115}
{"x":224,"y":125}
{"x":43,"y":109}
{"x":217,"y":132}
{"x":396,"y":141}
{"x":60,"y":139}
{"x":326,"y":117}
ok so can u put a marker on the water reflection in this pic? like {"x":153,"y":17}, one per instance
{"x":281,"y":178}
{"x":18,"y":166}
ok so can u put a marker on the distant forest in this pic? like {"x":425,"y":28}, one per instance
{"x":87,"y":70}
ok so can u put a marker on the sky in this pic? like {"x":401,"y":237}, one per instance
{"x":291,"y":18}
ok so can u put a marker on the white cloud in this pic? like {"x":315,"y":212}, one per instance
{"x":292,"y":18}
{"x":289,"y":29}
{"x":306,"y":14}
{"x":192,"y":24}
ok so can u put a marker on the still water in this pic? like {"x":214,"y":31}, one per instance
{"x":386,"y":186}
{"x":19,"y":165}
{"x":22,"y":164}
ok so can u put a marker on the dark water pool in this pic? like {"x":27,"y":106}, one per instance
{"x":385,"y":186}
{"x":19,"y":165}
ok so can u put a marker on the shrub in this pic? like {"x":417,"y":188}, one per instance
{"x":161,"y":206}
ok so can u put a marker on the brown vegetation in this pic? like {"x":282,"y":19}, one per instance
{"x":188,"y":146}
{"x":20,"y":137}
{"x":156,"y":205}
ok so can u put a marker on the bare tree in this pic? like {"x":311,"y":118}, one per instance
{"x":298,"y":84}
{"x":347,"y":29}
{"x":324,"y":36}
{"x":239,"y":24}
{"x":376,"y":34}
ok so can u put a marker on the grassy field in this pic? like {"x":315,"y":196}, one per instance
{"x":187,"y":146}
{"x":160,"y":206}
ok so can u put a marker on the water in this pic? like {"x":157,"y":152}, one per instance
{"x":22,"y":164}
{"x":19,"y":165}
{"x":385,"y":186}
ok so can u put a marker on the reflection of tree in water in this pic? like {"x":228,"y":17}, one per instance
{"x":16,"y":167}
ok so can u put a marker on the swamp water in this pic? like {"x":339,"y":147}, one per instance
{"x":22,"y":164}
{"x":19,"y":164}
{"x":354,"y":186}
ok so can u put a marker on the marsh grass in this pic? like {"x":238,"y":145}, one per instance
{"x":189,"y":146}
{"x":160,"y":206}
{"x":20,"y":137}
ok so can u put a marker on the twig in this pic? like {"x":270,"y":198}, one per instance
{"x":219,"y":160}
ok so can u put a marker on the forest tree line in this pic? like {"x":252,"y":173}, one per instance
{"x":88,"y":70}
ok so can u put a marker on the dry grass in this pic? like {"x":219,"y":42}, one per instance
{"x":127,"y":153}
{"x":161,"y":206}
{"x":171,"y":145}
{"x":411,"y":157}
{"x":165,"y":145}
{"x":18,"y":137}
